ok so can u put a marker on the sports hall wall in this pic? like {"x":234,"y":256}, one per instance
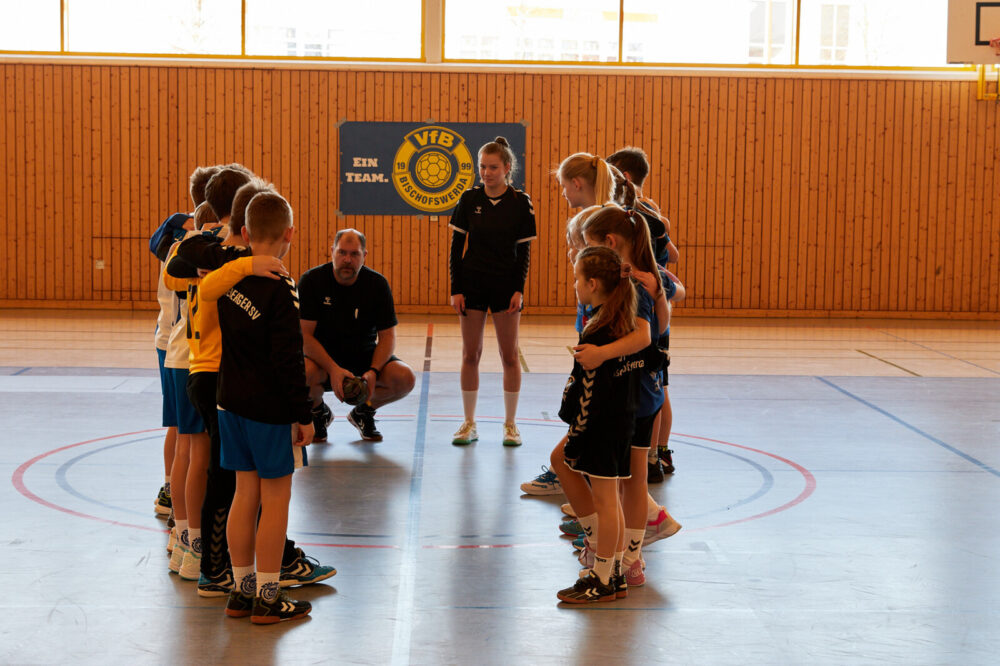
{"x":788,"y":196}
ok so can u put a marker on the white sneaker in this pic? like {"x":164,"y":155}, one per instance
{"x":466,"y":434}
{"x":568,"y":510}
{"x":177,"y":557}
{"x":511,"y":437}
{"x":664,"y":526}
{"x":190,"y":566}
{"x":546,"y":483}
{"x":172,"y":541}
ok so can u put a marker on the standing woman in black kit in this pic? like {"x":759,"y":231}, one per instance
{"x":494,"y":224}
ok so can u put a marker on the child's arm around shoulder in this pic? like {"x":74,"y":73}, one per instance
{"x":591,"y":356}
{"x":221,"y":280}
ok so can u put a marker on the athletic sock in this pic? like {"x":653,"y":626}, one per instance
{"x":633,"y":546}
{"x":267,"y":585}
{"x":589,"y":525}
{"x":619,"y":561}
{"x":602,"y":567}
{"x":510,"y":405}
{"x":469,"y":404}
{"x":182,"y":532}
{"x":245,"y":580}
{"x":194,"y":533}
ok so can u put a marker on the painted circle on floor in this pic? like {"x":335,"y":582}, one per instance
{"x":87,"y":498}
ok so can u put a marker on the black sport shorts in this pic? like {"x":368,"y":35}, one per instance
{"x":488,"y":294}
{"x":643,"y":431}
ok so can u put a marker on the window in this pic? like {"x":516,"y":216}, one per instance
{"x":126,"y":26}
{"x":710,"y":31}
{"x":29,"y":26}
{"x":874,"y":33}
{"x":372,"y":29}
{"x":768,"y":32}
{"x":564,"y":30}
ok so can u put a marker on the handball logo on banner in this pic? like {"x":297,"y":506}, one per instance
{"x":432,"y":168}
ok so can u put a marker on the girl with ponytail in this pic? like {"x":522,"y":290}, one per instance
{"x":599,"y":405}
{"x":493,"y":226}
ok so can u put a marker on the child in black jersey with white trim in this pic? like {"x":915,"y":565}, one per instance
{"x":264,"y":413}
{"x":494,"y":224}
{"x":599,"y":405}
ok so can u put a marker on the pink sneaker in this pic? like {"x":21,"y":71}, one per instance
{"x":586,"y":555}
{"x":664,"y":526}
{"x":634,"y":575}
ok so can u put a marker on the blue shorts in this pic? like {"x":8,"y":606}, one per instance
{"x":252,"y":446}
{"x":188,"y":420}
{"x":167,"y":388}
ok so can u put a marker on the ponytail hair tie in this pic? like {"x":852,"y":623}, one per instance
{"x":626,"y":271}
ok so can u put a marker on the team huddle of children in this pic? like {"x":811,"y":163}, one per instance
{"x":238,"y":411}
{"x":235,"y":401}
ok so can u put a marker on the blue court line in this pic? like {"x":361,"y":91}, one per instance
{"x":767,"y":479}
{"x":20,"y":372}
{"x":938,"y":351}
{"x":912,"y":428}
{"x":62,"y":475}
{"x":408,"y":561}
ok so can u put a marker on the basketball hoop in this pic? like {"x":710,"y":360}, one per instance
{"x":995,"y":44}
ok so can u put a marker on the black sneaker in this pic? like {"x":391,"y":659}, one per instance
{"x":362,"y":417}
{"x":667,"y":459}
{"x":216,"y":585}
{"x":588,"y":590}
{"x":162,"y":505}
{"x":239,"y":604}
{"x":654,"y":474}
{"x":322,"y":417}
{"x":278,"y":609}
{"x":304,"y":570}
{"x":619,"y":582}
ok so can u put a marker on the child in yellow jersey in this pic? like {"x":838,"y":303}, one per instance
{"x":232,"y":262}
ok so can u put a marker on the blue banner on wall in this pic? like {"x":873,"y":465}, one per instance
{"x":415,"y":168}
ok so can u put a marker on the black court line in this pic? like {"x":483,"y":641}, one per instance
{"x":938,"y":351}
{"x":862,"y":351}
{"x":913,"y":428}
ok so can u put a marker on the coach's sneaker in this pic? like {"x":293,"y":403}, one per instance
{"x":587,"y":590}
{"x":304,"y":570}
{"x":190,"y":566}
{"x":362,"y":417}
{"x":666,"y":459}
{"x":466,"y":434}
{"x":162,"y":505}
{"x":654,"y":474}
{"x":546,"y":483}
{"x":239,"y":604}
{"x":664,"y":526}
{"x":567,"y":508}
{"x":277,"y":607}
{"x":216,"y":585}
{"x":634,"y":575}
{"x":571,"y":527}
{"x":511,"y":435}
{"x":322,"y":417}
{"x":619,"y":580}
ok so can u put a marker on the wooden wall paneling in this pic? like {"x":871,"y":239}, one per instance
{"x":908,"y":173}
{"x":859,"y":137}
{"x":784,"y":185}
{"x":52,"y":189}
{"x":794,"y":138}
{"x":839,"y":260}
{"x":826,"y":245}
{"x":887,"y":193}
{"x":955,"y":212}
{"x":734,"y":273}
{"x":935,"y":248}
{"x":977,"y":151}
{"x":921,"y":196}
{"x":805,"y":144}
{"x":990,"y":153}
{"x":900,"y":172}
{"x":34,"y":143}
{"x":5,"y":188}
{"x":93,"y":182}
{"x":763,"y":147}
{"x":874,"y":146}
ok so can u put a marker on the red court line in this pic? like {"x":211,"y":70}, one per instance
{"x":18,"y":480}
{"x":810,"y":486}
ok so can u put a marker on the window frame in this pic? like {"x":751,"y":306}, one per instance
{"x":432,"y":52}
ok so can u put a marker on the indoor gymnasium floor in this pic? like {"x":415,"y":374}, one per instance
{"x":838,"y":482}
